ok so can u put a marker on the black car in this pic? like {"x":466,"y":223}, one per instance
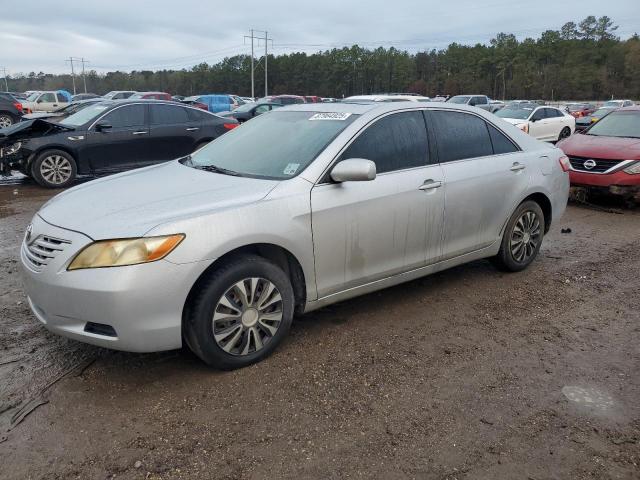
{"x":10,"y":110}
{"x":249,"y":110}
{"x":107,"y":137}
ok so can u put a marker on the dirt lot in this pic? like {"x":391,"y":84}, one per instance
{"x":468,"y":374}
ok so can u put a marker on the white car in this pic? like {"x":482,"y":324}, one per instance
{"x":387,"y":98}
{"x":618,"y":103}
{"x":45,"y":101}
{"x":549,"y":124}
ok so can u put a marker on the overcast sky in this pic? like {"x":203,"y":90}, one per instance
{"x":155,"y":34}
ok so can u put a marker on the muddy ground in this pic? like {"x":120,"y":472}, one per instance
{"x":467,"y":374}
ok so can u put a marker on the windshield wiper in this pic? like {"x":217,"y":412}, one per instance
{"x":215,"y":169}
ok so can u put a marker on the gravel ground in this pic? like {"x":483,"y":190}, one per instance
{"x":467,"y":374}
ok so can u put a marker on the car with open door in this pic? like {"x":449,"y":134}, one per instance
{"x":107,"y":137}
{"x":307,"y":206}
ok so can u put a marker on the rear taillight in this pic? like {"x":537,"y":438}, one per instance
{"x":18,"y":106}
{"x":565,"y":164}
{"x":230,"y":126}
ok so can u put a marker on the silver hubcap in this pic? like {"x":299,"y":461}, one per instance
{"x":525,"y":237}
{"x":5,"y":121}
{"x":247,"y":316}
{"x":55,"y":169}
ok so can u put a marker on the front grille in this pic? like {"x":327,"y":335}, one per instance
{"x":42,"y":250}
{"x":601,"y":165}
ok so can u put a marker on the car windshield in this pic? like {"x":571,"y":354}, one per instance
{"x":33,"y":97}
{"x":515,"y":112}
{"x":459,"y":99}
{"x":136,"y":96}
{"x":276,"y":146}
{"x":85,"y":115}
{"x":618,"y":124}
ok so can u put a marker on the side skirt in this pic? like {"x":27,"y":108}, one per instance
{"x":489,"y":251}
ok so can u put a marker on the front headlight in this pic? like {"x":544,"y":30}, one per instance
{"x":634,"y":169}
{"x":10,"y":150}
{"x":128,"y":251}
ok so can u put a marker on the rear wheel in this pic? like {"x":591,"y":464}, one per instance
{"x":6,"y":120}
{"x":564,"y":133}
{"x":54,"y":169}
{"x":522,"y":238}
{"x":240,"y":313}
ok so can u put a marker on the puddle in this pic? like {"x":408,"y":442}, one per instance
{"x":589,"y":397}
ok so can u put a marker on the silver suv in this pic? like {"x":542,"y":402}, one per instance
{"x":480,"y":101}
{"x":297,"y":209}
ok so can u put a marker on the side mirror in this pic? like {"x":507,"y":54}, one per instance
{"x":102,"y":127}
{"x":354,"y":170}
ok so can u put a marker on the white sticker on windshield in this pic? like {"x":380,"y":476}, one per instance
{"x":291,"y":168}
{"x":330,"y":116}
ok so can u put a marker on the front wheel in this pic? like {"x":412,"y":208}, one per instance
{"x":54,"y":169}
{"x":6,"y":120}
{"x":522,"y":238}
{"x":240,"y":313}
{"x":564,"y":133}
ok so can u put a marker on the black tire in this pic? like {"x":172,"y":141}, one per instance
{"x":199,"y":326}
{"x":65,"y":176}
{"x":506,"y":260}
{"x":564,"y":133}
{"x":6,"y":119}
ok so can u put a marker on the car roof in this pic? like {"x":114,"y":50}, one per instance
{"x":362,"y":107}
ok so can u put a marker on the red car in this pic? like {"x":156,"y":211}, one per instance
{"x":579,"y":110}
{"x":607,"y":155}
{"x":313,"y":99}
{"x":151,"y":95}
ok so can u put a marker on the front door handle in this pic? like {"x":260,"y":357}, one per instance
{"x":516,"y":167}
{"x":430,"y":185}
{"x":193,"y":129}
{"x":141,"y":132}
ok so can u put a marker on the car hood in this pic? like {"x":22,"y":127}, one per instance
{"x":132,"y":203}
{"x":613,"y":148}
{"x":30,"y":128}
{"x":514,"y":121}
{"x":33,"y":116}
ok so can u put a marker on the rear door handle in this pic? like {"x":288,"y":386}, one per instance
{"x":193,"y":129}
{"x":516,"y":167}
{"x":430,"y":185}
{"x":142,"y":132}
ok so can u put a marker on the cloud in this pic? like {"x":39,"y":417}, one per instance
{"x":126,"y":35}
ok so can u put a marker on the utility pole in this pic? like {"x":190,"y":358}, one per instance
{"x":84,"y":79}
{"x":4,"y":74}
{"x":266,"y":40}
{"x":266,"y":57}
{"x":73,"y":75}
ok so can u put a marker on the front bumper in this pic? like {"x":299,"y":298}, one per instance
{"x":142,"y":303}
{"x":618,"y":183}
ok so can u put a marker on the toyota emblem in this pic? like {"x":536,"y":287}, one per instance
{"x":27,"y":234}
{"x":589,"y":164}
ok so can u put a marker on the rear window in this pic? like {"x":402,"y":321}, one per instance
{"x":168,"y":115}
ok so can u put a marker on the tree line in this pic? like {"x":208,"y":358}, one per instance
{"x":584,"y":60}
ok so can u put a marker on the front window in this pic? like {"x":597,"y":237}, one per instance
{"x":618,"y":124}
{"x":461,"y":99}
{"x":515,"y":113}
{"x":277,"y":146}
{"x":33,"y":97}
{"x":85,"y":115}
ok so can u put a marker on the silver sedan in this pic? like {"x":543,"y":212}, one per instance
{"x":297,"y":209}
